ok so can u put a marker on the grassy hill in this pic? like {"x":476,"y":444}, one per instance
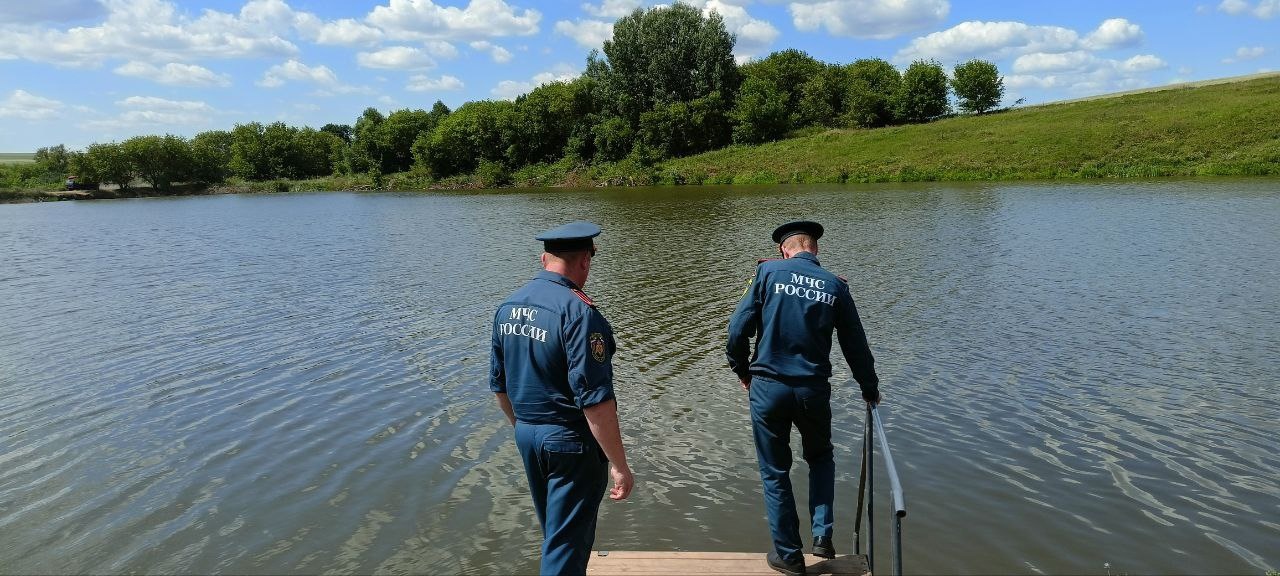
{"x":1227,"y":127}
{"x":1220,"y":129}
{"x":16,"y":157}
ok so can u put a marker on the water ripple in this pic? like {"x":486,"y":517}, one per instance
{"x":297,"y":383}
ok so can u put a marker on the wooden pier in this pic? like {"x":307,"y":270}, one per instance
{"x":611,"y":563}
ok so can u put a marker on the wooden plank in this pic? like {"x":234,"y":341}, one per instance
{"x":610,"y":563}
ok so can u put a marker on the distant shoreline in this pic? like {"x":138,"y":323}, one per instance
{"x":1212,"y":128}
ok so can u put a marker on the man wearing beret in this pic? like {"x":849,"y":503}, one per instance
{"x":791,"y":309}
{"x":552,"y":373}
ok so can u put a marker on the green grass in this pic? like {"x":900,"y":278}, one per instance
{"x":1224,"y":129}
{"x":16,"y":157}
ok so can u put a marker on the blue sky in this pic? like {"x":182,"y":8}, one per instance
{"x":75,"y":72}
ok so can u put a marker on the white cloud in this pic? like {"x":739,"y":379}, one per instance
{"x":754,"y":35}
{"x":499,"y":54}
{"x":1244,"y":53}
{"x":1081,"y":73}
{"x":1142,"y":63}
{"x":612,"y":8}
{"x":396,"y":58}
{"x":587,"y":33}
{"x":294,"y":70}
{"x":162,"y":104}
{"x":154,"y":30}
{"x":1042,"y":63}
{"x":877,"y":19}
{"x":27,"y":106}
{"x":423,"y":83}
{"x":1114,"y":33}
{"x":1044,"y":57}
{"x":343,"y":32}
{"x":972,"y":39}
{"x":510,"y":89}
{"x":149,"y":112}
{"x":423,"y":20}
{"x":1234,"y":7}
{"x":175,"y":74}
{"x":441,"y":49}
{"x":1264,"y":9}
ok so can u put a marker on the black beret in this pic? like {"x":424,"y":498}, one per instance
{"x":813,"y":229}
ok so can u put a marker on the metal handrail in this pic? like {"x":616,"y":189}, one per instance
{"x":873,"y":428}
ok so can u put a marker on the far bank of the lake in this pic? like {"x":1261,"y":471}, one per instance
{"x":1226,"y":129}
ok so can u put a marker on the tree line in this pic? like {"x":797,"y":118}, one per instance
{"x":665,"y":85}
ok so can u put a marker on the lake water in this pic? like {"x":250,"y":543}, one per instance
{"x":1079,"y":377}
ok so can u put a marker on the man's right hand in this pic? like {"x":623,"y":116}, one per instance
{"x":746,"y":383}
{"x":623,"y":482}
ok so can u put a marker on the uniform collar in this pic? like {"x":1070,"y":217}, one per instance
{"x":807,"y":256}
{"x":557,"y":278}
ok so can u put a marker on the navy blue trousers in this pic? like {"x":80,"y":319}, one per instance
{"x":775,"y":408}
{"x":567,"y":475}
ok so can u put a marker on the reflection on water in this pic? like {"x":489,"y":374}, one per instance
{"x":1076,"y":374}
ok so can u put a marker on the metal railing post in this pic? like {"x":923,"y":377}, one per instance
{"x":862,"y":489}
{"x":895,"y":487}
{"x":871,"y":493}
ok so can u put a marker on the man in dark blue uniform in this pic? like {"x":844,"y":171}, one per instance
{"x":552,"y":373}
{"x":791,"y":309}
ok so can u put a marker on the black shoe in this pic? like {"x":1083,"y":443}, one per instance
{"x":823,"y":548}
{"x":788,"y":568}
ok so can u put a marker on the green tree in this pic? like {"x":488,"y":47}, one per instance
{"x":280,"y":151}
{"x":342,"y":131}
{"x":923,"y":93}
{"x":80,"y":165}
{"x":211,"y":156}
{"x":159,"y":160}
{"x":869,"y":99}
{"x":249,"y":158}
{"x":683,"y":128}
{"x":418,"y":149}
{"x":760,"y":114}
{"x":474,"y":132}
{"x":789,"y":70}
{"x":315,"y":152}
{"x":368,"y":146}
{"x":397,"y":134}
{"x":438,"y":112}
{"x":978,"y":86}
{"x":110,"y":163}
{"x":545,"y":118}
{"x":53,"y":160}
{"x":663,"y":55}
{"x":822,"y":97}
{"x":612,"y":138}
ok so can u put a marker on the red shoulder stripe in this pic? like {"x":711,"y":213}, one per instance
{"x":583,"y":295}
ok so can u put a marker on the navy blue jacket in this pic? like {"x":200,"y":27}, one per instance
{"x":791,"y":308}
{"x":552,"y":352}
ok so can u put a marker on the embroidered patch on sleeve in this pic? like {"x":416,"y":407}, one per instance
{"x":597,"y":346}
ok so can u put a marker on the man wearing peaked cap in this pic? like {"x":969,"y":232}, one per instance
{"x":552,"y":372}
{"x":791,"y":308}
{"x":570,"y":237}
